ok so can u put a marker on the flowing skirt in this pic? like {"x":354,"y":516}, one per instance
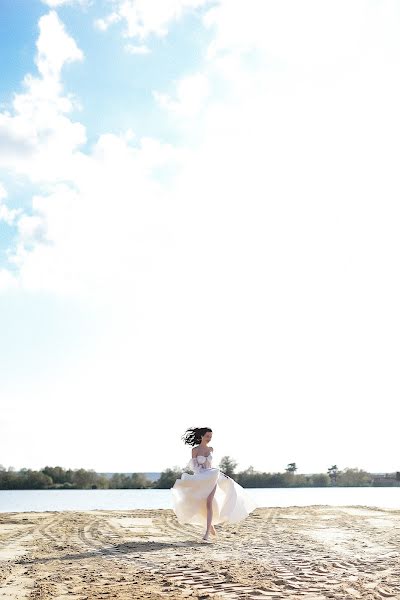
{"x":230,"y":504}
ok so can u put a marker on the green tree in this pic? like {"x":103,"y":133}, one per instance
{"x":333,"y":472}
{"x":33,"y":480}
{"x":139,"y":481}
{"x":9,"y":480}
{"x":129,"y":482}
{"x":168,"y":478}
{"x":228,"y":465}
{"x":116,"y":481}
{"x":84,"y":479}
{"x":353,"y":477}
{"x":57,"y":474}
{"x":319,"y":480}
{"x":291,"y":468}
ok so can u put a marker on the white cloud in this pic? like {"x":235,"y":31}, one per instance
{"x":31,"y":229}
{"x":132,"y":49}
{"x":100,"y":228}
{"x":293,"y":33}
{"x":8,"y":280}
{"x":7,"y":215}
{"x":191,"y":94}
{"x":38,"y":139}
{"x":146,"y":17}
{"x":55,"y":47}
{"x":3,"y":192}
{"x":104,"y":24}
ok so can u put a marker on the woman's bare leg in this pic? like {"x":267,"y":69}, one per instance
{"x":209,"y":513}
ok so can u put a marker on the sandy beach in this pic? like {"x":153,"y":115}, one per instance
{"x":312,"y":552}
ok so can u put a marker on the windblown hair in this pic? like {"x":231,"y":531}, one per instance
{"x":193,"y":435}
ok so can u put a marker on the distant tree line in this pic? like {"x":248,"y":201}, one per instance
{"x":59,"y":478}
{"x":78,"y":479}
{"x":250,"y":478}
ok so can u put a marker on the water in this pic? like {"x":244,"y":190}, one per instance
{"x":57,"y":500}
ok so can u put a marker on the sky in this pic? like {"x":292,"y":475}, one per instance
{"x":199,"y":227}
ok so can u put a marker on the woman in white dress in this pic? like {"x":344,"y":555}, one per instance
{"x":205,"y":495}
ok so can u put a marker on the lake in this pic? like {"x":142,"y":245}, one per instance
{"x":58,"y":500}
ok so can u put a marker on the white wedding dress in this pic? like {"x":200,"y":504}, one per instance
{"x":189,"y":494}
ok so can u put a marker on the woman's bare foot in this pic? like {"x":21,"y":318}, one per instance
{"x":206,"y":538}
{"x":213,"y":530}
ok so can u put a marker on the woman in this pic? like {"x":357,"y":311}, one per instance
{"x":206,"y":496}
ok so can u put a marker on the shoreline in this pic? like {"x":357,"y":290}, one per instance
{"x":310,"y":552}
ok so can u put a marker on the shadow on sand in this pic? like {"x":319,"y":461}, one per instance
{"x":137,"y":549}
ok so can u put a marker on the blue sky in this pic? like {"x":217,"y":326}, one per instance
{"x":18,"y":27}
{"x":199,"y":226}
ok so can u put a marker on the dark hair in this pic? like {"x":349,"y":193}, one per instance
{"x":193,"y":435}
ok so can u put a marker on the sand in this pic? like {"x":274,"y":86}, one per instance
{"x":311,"y":552}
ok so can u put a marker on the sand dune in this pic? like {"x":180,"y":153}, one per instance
{"x":313,"y":552}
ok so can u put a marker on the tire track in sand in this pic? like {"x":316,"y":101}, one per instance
{"x":315,"y":566}
{"x":193,"y":578}
{"x":293,"y":546}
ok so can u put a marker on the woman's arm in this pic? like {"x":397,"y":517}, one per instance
{"x":196,"y":465}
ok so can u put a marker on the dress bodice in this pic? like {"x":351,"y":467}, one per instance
{"x":202,"y":459}
{"x":200,"y":462}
